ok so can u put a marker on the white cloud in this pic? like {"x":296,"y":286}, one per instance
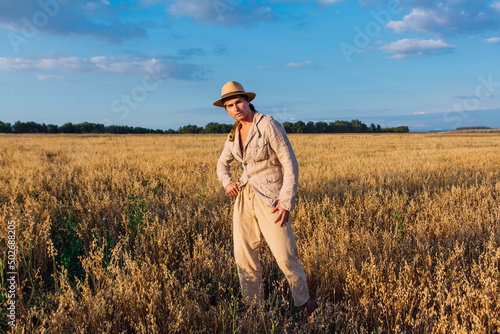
{"x":449,"y":17}
{"x":418,"y":19}
{"x":300,"y":64}
{"x":496,"y":5}
{"x":63,"y":64}
{"x":151,"y":2}
{"x":492,"y":40}
{"x":53,"y":77}
{"x":96,"y":18}
{"x":105,"y":65}
{"x":217,"y":12}
{"x":122,"y":65}
{"x":327,"y":2}
{"x":414,"y":47}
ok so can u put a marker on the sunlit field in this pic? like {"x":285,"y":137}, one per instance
{"x":398,"y":233}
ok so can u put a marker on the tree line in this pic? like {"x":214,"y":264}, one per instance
{"x":354,"y":126}
{"x":474,"y":128}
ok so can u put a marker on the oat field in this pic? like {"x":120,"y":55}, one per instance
{"x":398,"y":233}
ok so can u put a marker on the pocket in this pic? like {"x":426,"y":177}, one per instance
{"x":260,"y":150}
{"x":273,"y":185}
{"x":276,"y":177}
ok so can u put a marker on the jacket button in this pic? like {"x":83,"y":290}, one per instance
{"x":244,"y":163}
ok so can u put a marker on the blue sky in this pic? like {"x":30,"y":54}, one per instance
{"x":430,"y":65}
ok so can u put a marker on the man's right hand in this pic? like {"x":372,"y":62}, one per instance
{"x":232,"y":189}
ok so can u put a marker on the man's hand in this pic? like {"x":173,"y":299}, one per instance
{"x":232,"y":189}
{"x":282,"y":216}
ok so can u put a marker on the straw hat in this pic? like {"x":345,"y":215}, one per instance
{"x":232,"y":88}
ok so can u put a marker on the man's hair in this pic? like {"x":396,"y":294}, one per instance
{"x":252,"y":108}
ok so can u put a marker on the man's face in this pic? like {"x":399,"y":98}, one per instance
{"x":239,"y":109}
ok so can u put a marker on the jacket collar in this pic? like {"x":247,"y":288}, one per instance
{"x":254,"y":131}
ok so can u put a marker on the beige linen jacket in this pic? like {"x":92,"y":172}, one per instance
{"x":269,"y":163}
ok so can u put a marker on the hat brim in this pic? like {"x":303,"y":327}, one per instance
{"x":220,"y":102}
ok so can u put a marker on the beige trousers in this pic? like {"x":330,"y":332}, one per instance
{"x":252,"y":220}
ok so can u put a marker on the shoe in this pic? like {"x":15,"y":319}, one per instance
{"x":309,"y":307}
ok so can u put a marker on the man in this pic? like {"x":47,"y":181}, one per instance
{"x":265,"y":193}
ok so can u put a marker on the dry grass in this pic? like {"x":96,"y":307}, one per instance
{"x":397,"y":233}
